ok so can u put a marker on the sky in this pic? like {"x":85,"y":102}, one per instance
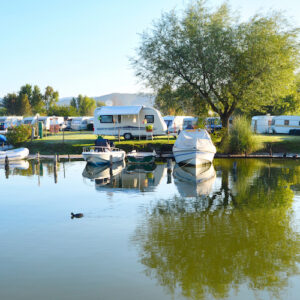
{"x":83,"y":46}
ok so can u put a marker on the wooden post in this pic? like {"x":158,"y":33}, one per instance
{"x":110,"y":165}
{"x":119,"y":134}
{"x":69,"y":157}
{"x":6,"y":167}
{"x":63,"y":136}
{"x":38,"y":157}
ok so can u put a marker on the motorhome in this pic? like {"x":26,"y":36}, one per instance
{"x":261,"y":124}
{"x":285,"y":124}
{"x":9,"y":121}
{"x":128,"y":121}
{"x":80,"y":123}
{"x":177,"y":123}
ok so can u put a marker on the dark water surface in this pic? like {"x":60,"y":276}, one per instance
{"x":149,"y":234}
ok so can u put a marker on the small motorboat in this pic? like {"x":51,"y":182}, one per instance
{"x":141,"y":157}
{"x":194,"y":147}
{"x":103,"y":155}
{"x":14,"y":154}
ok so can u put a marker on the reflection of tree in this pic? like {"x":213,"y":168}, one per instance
{"x":208,"y":246}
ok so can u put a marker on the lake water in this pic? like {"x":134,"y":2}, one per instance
{"x":150,"y":234}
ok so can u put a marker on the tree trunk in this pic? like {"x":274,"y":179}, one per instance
{"x":225,"y":120}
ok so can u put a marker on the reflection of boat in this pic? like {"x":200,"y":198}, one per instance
{"x":194,"y":147}
{"x":141,"y":157}
{"x":140,"y":168}
{"x":135,"y":178}
{"x":102,"y":174}
{"x":15,"y":154}
{"x":18,"y":164}
{"x":102,"y":155}
{"x":193,"y":181}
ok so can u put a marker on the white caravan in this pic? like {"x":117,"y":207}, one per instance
{"x":9,"y":121}
{"x":262,"y":124}
{"x":285,"y":124}
{"x":80,"y":123}
{"x":30,"y":120}
{"x":58,"y":121}
{"x":128,"y":121}
{"x":177,"y":123}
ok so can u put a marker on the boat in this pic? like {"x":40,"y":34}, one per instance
{"x":99,"y":155}
{"x":18,"y":164}
{"x":134,"y":157}
{"x":14,"y":154}
{"x":194,"y":147}
{"x":193,"y":181}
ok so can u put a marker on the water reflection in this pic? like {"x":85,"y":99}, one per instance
{"x":130,"y":178}
{"x":241,"y":234}
{"x":194,"y":181}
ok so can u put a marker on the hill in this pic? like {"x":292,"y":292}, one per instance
{"x":118,"y":99}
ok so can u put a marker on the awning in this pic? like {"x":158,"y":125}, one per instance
{"x":120,"y":110}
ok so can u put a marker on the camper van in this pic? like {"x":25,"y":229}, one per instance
{"x":261,"y":124}
{"x":128,"y":121}
{"x":177,"y":123}
{"x":285,"y":124}
{"x":9,"y":121}
{"x":80,"y":123}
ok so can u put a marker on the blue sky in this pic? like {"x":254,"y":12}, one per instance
{"x":83,"y":46}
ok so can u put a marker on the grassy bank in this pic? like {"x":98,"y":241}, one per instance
{"x":72,"y":143}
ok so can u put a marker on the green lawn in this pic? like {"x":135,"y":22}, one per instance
{"x":72,"y":143}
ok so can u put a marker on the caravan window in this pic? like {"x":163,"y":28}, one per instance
{"x":286,"y":122}
{"x":106,"y":119}
{"x":149,"y":118}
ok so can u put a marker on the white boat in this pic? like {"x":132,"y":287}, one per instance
{"x":141,"y":157}
{"x":194,"y":147}
{"x":18,"y":164}
{"x":103,"y":155}
{"x":14,"y":154}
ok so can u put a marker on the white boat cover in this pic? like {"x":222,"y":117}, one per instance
{"x":198,"y":139}
{"x":120,"y":110}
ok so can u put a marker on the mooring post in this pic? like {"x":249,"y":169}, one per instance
{"x":110,"y":165}
{"x":38,"y":157}
{"x":69,"y":157}
{"x":6,"y":163}
{"x":55,"y":167}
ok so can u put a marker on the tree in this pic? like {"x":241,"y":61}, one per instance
{"x":50,"y":97}
{"x":181,"y":101}
{"x":84,"y":105}
{"x":23,"y":106}
{"x":64,"y":111}
{"x":227,"y":63}
{"x":36,"y":101}
{"x":10,"y":103}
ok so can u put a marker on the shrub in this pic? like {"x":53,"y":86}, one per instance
{"x":18,"y":134}
{"x":241,"y":139}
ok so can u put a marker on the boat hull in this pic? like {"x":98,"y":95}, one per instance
{"x":102,"y":158}
{"x":15,"y":154}
{"x":193,"y":157}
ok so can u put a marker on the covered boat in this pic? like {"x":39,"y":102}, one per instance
{"x":194,"y":147}
{"x":14,"y":154}
{"x":141,"y":157}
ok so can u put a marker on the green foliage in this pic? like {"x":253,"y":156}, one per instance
{"x":241,"y":139}
{"x":84,"y":105}
{"x":226,"y":63}
{"x":24,"y":108}
{"x":179,"y":101}
{"x":3,"y":111}
{"x":100,"y":103}
{"x":63,"y":111}
{"x":50,"y":97}
{"x":18,"y":134}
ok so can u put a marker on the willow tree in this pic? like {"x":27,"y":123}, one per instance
{"x":226,"y":62}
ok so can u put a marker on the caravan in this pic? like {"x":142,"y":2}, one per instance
{"x":9,"y":121}
{"x":128,"y":121}
{"x":30,"y":120}
{"x":261,"y":124}
{"x":80,"y":123}
{"x":177,"y":123}
{"x":286,"y":124}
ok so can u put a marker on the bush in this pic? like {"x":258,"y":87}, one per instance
{"x":18,"y":134}
{"x":241,"y":139}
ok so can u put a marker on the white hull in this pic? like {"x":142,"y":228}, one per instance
{"x":15,"y":154}
{"x":193,"y":157}
{"x":101,"y":158}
